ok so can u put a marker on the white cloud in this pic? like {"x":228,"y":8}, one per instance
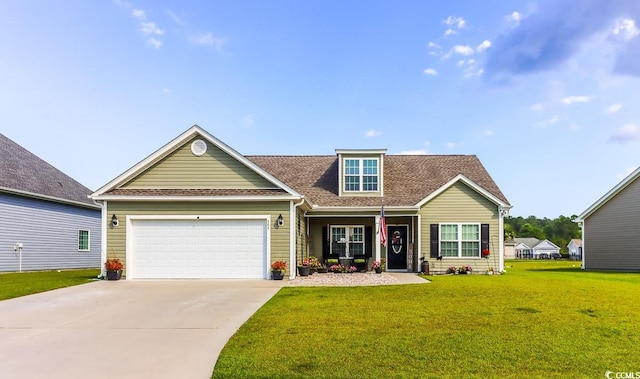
{"x":177,"y":19}
{"x":449,"y":32}
{"x":483,"y":46}
{"x":488,"y":132}
{"x":208,"y":39}
{"x":450,"y":145}
{"x":150,"y":28}
{"x":453,"y":21}
{"x":155,"y":43}
{"x":413,"y":152}
{"x":166,"y":90}
{"x":625,"y":29}
{"x":433,"y":45}
{"x":463,"y":50}
{"x":430,"y":71}
{"x":514,"y":18}
{"x":139,"y":13}
{"x":626,"y":133}
{"x":372,"y":133}
{"x":536,"y":107}
{"x":625,"y":173}
{"x":614,"y":108}
{"x":576,"y":99}
{"x":551,"y":121}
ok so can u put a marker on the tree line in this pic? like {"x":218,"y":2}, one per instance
{"x":559,"y":230}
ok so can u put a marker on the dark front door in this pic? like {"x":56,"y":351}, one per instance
{"x":397,"y":247}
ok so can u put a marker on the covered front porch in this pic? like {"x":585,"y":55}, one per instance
{"x":356,"y":240}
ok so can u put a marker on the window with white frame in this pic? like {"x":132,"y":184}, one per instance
{"x":347,"y":241}
{"x":361,"y":175}
{"x":83,"y":240}
{"x":460,"y":240}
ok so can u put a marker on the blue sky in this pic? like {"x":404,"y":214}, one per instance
{"x":545,"y":93}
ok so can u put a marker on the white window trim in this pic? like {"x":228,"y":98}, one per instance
{"x":88,"y":240}
{"x":460,"y":240}
{"x":347,"y":228}
{"x":361,"y":174}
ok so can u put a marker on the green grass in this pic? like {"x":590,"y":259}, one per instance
{"x":540,"y":319}
{"x":27,"y":283}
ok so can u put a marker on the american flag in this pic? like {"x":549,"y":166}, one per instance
{"x":383,"y":229}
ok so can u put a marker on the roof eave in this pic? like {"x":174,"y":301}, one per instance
{"x":607,"y":196}
{"x":169,"y":147}
{"x":461,"y":178}
{"x":50,"y":198}
{"x":194,"y":198}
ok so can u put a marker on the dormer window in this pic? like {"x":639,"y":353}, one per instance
{"x":361,"y":175}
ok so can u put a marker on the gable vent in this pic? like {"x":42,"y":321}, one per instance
{"x":198,"y":147}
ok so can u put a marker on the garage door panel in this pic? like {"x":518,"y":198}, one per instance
{"x":199,"y":248}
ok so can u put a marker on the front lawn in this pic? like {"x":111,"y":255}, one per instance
{"x":541,"y":319}
{"x":27,"y":283}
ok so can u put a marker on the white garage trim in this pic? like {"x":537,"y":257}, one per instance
{"x":130,"y":234}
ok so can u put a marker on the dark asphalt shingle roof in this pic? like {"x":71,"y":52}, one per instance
{"x":23,"y":171}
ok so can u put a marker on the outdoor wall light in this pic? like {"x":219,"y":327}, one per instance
{"x":114,"y":221}
{"x":280,"y":221}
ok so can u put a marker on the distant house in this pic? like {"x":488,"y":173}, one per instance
{"x":509,"y":249}
{"x":47,"y":220}
{"x":575,"y":249}
{"x":610,"y":228}
{"x":533,"y":248}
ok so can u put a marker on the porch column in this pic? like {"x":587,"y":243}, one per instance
{"x":377,"y":243}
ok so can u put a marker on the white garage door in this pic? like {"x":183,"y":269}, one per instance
{"x":179,"y":249}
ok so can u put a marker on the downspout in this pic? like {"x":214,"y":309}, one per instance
{"x":583,"y":243}
{"x":103,"y":238}
{"x":502,"y":212}
{"x":292,"y":236}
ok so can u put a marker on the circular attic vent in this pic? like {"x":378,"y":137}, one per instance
{"x":198,"y":147}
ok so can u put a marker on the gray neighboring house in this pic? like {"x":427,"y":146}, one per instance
{"x":47,"y":220}
{"x":610,"y":229}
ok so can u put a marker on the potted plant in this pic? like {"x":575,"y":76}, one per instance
{"x":377,"y":266}
{"x":277,"y":270}
{"x":465,"y":270}
{"x":304,"y":267}
{"x":114,"y":268}
{"x":452,"y":270}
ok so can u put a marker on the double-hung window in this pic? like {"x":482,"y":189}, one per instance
{"x":83,"y":240}
{"x":361,"y":175}
{"x":347,"y":241}
{"x":460,"y":240}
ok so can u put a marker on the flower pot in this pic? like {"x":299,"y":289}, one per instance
{"x":276,"y":275}
{"x":304,"y":270}
{"x":378,"y":270}
{"x":114,"y":274}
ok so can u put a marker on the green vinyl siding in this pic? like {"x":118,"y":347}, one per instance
{"x":460,"y":204}
{"x":215,"y":169}
{"x":116,"y":237}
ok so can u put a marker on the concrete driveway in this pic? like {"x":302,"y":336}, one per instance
{"x":126,"y":329}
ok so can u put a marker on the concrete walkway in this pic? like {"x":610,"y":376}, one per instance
{"x":126,"y":329}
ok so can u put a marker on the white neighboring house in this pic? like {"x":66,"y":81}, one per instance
{"x":575,"y":249}
{"x":533,"y":247}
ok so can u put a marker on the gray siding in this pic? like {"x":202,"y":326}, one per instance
{"x":49,"y":234}
{"x":611,"y":234}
